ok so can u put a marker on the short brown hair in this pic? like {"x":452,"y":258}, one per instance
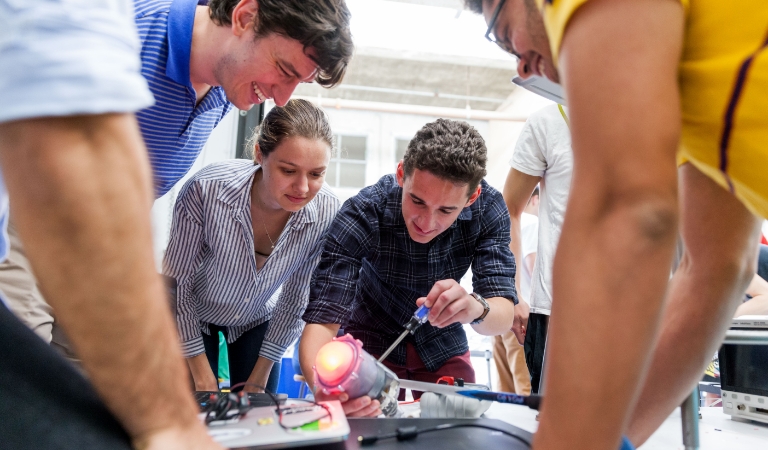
{"x":450,"y":149}
{"x":297,"y":118}
{"x":322,"y":25}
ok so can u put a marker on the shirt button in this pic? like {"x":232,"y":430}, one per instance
{"x":237,"y":316}
{"x":247,"y":300}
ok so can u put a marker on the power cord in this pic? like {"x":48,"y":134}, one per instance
{"x":408,"y":433}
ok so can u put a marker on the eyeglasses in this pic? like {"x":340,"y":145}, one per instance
{"x":491,"y":36}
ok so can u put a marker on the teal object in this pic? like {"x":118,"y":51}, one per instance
{"x":223,"y":359}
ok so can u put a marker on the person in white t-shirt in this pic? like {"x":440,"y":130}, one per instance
{"x":542,"y":156}
{"x":507,"y":350}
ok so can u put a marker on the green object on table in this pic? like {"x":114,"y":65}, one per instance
{"x":223,"y":359}
{"x":311,"y":426}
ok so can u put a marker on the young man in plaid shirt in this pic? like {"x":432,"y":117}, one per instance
{"x":406,"y":241}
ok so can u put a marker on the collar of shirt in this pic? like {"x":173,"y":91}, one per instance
{"x":181,"y":21}
{"x":237,"y":193}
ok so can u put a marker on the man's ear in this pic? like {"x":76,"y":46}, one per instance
{"x":400,"y":173}
{"x":244,"y":16}
{"x":474,"y":196}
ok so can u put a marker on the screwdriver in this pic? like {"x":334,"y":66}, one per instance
{"x":419,"y":317}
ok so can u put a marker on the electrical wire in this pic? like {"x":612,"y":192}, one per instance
{"x":223,"y":407}
{"x":408,"y":433}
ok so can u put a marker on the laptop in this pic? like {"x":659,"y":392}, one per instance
{"x":259,"y":428}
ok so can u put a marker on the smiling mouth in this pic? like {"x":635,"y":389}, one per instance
{"x":260,"y":95}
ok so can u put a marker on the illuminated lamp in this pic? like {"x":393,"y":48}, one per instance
{"x":343,"y":366}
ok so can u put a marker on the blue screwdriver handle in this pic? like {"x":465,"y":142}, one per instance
{"x":421,"y":314}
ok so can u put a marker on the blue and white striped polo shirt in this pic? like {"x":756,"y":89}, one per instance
{"x":174,"y":129}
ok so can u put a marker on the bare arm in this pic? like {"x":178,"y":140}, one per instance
{"x":517,"y":192}
{"x":81,"y":195}
{"x":758,"y":289}
{"x":202,"y":373}
{"x":315,"y":335}
{"x":619,"y":62}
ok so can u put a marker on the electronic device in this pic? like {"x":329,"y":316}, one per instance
{"x":744,"y":373}
{"x":543,"y":87}
{"x":294,"y":424}
{"x":343,"y":366}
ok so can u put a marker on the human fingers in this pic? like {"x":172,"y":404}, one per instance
{"x":450,"y":295}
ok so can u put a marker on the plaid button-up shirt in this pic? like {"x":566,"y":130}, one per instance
{"x":371,"y":272}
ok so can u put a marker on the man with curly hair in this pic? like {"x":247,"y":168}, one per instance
{"x":405,"y":242}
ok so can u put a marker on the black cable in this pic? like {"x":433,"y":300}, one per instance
{"x":280,"y":410}
{"x":408,"y":433}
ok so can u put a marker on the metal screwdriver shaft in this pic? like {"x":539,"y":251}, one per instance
{"x":419,"y":317}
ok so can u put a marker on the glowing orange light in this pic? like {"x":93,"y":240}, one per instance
{"x":333,"y":361}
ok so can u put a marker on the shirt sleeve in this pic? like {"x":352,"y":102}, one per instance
{"x":182,"y":259}
{"x":529,"y":156}
{"x":493,"y":268}
{"x":286,"y":323}
{"x":350,"y":237}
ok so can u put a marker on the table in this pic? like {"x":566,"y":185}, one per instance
{"x":717,"y":431}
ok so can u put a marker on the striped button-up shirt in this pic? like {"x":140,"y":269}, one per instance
{"x":175,"y":129}
{"x":211,"y":255}
{"x":371,"y":271}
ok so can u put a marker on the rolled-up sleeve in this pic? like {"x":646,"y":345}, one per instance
{"x":353,"y":233}
{"x":493,"y":268}
{"x":287,"y":323}
{"x":182,"y":259}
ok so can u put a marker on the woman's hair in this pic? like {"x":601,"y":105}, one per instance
{"x":297,"y":118}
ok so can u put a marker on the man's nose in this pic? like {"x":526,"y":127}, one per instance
{"x":282,"y":92}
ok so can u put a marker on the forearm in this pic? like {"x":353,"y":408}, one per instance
{"x":202,"y":373}
{"x":257,"y":381}
{"x":81,"y":197}
{"x":315,"y":335}
{"x":499,"y":318}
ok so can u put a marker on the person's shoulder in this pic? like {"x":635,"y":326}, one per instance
{"x":379,"y":193}
{"x":490,"y":204}
{"x":488,"y":193}
{"x":224,"y":170}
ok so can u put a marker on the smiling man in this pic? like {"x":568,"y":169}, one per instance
{"x":407,"y":241}
{"x":199,"y":60}
{"x":667,"y":100}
